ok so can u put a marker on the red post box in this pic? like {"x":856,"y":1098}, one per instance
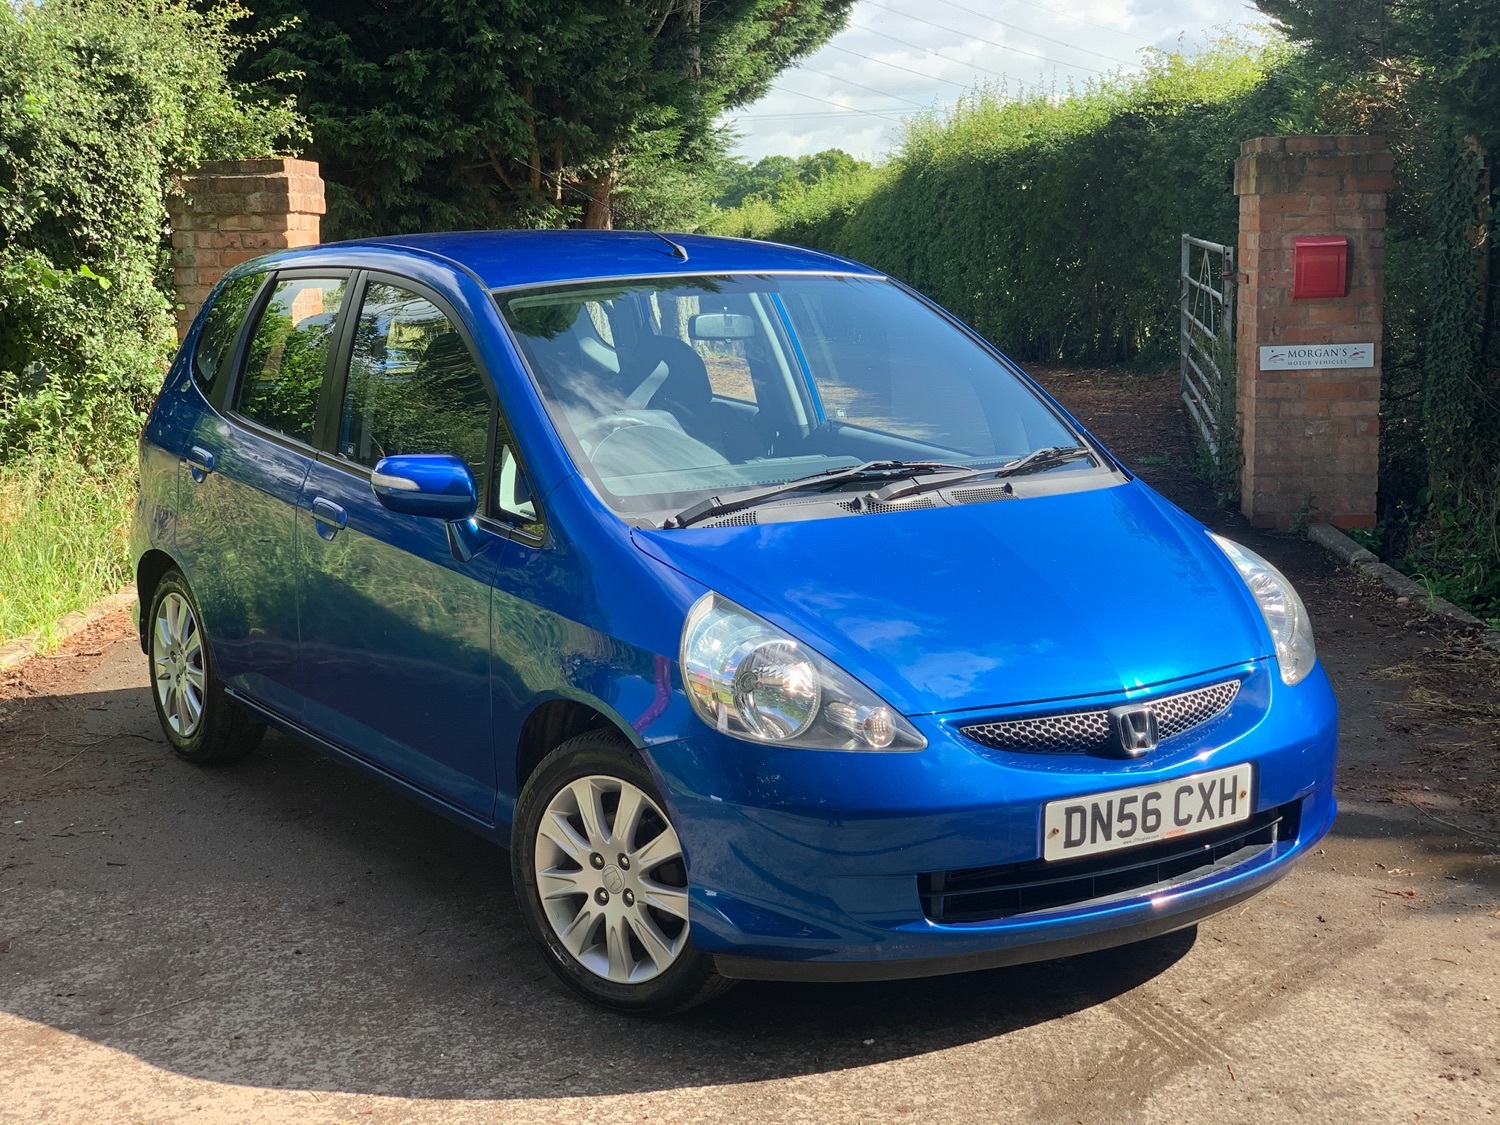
{"x":1320,"y":267}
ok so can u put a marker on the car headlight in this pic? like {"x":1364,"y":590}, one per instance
{"x":749,"y":679}
{"x":1283,"y":610}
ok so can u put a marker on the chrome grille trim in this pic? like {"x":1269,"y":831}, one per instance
{"x":1088,"y":732}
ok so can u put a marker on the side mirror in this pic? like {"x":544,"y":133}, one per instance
{"x":426,"y":484}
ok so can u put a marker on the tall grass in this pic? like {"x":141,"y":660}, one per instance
{"x":62,"y":539}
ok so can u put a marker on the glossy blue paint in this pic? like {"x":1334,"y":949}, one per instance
{"x":355,"y":624}
{"x":435,"y":485}
{"x":394,"y":659}
{"x":1105,"y":590}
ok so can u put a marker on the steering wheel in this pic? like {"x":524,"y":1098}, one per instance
{"x":594,"y":433}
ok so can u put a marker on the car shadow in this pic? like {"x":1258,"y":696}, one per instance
{"x":284,"y":922}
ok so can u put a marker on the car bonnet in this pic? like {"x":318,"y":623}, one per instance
{"x":1012,"y":601}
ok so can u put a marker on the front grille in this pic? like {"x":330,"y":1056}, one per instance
{"x":983,"y":894}
{"x":1088,"y":732}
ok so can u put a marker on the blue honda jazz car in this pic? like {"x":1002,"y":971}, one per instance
{"x":776,"y":624}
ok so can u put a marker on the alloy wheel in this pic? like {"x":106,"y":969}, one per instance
{"x":611,"y":879}
{"x":177,"y":664}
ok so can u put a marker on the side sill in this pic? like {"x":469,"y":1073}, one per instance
{"x":488,"y":829}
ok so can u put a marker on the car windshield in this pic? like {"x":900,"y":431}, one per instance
{"x":668,"y":390}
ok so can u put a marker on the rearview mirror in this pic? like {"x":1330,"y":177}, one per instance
{"x":426,"y":484}
{"x":721,"y":326}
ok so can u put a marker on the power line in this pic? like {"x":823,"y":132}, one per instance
{"x":898,"y":66}
{"x":1038,"y":34}
{"x":989,"y":42}
{"x":825,"y":101}
{"x":1070,"y":16}
{"x":861,"y":85}
{"x":946,"y":58}
{"x":896,"y":115}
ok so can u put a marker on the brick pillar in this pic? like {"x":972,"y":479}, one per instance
{"x":233,"y":210}
{"x":1310,"y":432}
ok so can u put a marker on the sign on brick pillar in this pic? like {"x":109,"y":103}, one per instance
{"x":230,"y":211}
{"x":1310,"y":312}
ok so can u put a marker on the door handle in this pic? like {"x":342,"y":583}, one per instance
{"x":200,"y":463}
{"x":331,"y":518}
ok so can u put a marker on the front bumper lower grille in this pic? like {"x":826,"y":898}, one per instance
{"x":1088,"y":732}
{"x":984,"y":894}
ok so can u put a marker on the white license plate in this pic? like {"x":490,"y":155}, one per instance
{"x":1126,"y":818}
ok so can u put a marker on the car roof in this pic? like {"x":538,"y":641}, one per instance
{"x":504,"y":258}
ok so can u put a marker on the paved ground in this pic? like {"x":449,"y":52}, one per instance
{"x":283,"y":940}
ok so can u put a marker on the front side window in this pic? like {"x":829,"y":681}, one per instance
{"x":221,"y":329}
{"x":413,"y":384}
{"x":288,"y":353}
{"x":669,"y":390}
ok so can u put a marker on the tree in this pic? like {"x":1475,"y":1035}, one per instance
{"x":775,"y":177}
{"x":477,"y":113}
{"x":101,"y":102}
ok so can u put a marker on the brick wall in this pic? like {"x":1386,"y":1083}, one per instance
{"x":233,"y":210}
{"x":1310,"y":437}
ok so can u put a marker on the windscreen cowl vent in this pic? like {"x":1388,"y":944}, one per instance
{"x":864,"y":507}
{"x":737,"y":519}
{"x":980,"y":495}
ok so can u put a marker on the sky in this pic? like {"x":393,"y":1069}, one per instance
{"x":898,"y":57}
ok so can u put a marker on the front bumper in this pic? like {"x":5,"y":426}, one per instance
{"x":805,"y":865}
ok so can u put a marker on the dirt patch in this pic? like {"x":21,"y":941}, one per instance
{"x":1450,"y":716}
{"x":75,"y":659}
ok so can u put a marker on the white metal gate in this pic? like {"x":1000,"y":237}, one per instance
{"x":1207,"y":300}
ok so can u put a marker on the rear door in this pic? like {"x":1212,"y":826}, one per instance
{"x":244,"y":469}
{"x":396,"y":626}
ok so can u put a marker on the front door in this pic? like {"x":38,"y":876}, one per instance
{"x":395,"y":626}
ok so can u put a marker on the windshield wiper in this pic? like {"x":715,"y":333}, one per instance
{"x":828,"y":478}
{"x":1033,"y":462}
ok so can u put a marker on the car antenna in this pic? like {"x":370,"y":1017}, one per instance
{"x":679,"y":251}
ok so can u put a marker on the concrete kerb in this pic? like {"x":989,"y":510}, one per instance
{"x":24,"y":648}
{"x":1337,"y":543}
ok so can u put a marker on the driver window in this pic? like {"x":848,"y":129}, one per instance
{"x":413,"y":385}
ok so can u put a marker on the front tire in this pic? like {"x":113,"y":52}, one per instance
{"x":201,"y":722}
{"x":602,"y":882}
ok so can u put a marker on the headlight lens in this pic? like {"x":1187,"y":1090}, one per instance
{"x":747,"y":678}
{"x":1283,"y":610}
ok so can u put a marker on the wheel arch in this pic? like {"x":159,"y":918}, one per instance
{"x":148,"y":573}
{"x":553,"y":722}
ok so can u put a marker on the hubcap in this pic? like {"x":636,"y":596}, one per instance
{"x":177,"y":662}
{"x":626,"y":921}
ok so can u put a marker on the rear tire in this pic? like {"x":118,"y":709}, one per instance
{"x":602,"y":882}
{"x":202,"y":724}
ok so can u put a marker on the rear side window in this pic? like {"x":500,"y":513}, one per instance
{"x":287,"y":354}
{"x":222,"y":328}
{"x":413,"y":385}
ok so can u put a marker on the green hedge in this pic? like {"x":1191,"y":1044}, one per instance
{"x":100,"y":102}
{"x":1051,"y":223}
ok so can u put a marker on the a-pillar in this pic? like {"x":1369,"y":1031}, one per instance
{"x":1308,"y":368}
{"x":233,"y":210}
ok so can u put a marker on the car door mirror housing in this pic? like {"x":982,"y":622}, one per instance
{"x":426,"y":484}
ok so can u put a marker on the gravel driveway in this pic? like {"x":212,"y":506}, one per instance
{"x":282,"y":939}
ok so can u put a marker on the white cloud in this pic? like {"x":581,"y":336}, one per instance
{"x":899,"y":56}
